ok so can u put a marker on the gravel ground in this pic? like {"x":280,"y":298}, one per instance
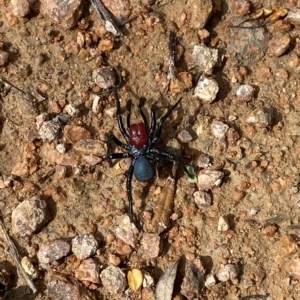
{"x":232,"y":232}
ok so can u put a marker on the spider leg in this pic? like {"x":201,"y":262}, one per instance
{"x":174,"y":158}
{"x":160,"y":161}
{"x":119,"y":143}
{"x":142,"y":114}
{"x":129,"y":189}
{"x":153,"y":123}
{"x":119,"y":117}
{"x":162,"y":120}
{"x":119,"y":155}
{"x":128,"y":106}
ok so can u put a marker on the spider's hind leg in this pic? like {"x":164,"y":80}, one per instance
{"x":119,"y":155}
{"x":174,"y":158}
{"x":129,"y":189}
{"x":162,"y":164}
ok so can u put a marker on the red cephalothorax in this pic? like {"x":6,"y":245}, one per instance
{"x":138,"y":135}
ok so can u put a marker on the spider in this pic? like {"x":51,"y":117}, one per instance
{"x":140,"y":146}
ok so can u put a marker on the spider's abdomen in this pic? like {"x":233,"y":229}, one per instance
{"x":143,"y":169}
{"x":138,"y":135}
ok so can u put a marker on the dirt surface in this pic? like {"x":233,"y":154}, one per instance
{"x":257,"y":196}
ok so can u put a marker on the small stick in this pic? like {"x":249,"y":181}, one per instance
{"x":13,"y":86}
{"x":172,"y":44}
{"x":165,"y":205}
{"x":6,"y":82}
{"x":14,"y":253}
{"x":106,"y":18}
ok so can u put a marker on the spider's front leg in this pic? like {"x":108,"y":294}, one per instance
{"x":119,"y":143}
{"x":143,"y":115}
{"x":119,"y":118}
{"x":161,"y":122}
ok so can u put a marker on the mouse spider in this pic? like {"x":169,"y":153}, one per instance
{"x":140,"y":146}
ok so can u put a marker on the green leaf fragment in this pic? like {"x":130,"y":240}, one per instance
{"x":191,"y":170}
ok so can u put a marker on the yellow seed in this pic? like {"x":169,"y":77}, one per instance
{"x":135,"y":279}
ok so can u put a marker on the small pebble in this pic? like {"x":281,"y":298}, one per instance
{"x":209,"y":178}
{"x":203,"y":161}
{"x":113,"y":279}
{"x":293,"y":16}
{"x":60,"y":288}
{"x":206,"y":89}
{"x":210,"y":280}
{"x":254,"y":210}
{"x":19,"y":8}
{"x":219,"y":129}
{"x":193,"y":280}
{"x":111,"y":112}
{"x":61,"y":148}
{"x":198,"y":12}
{"x":293,"y":267}
{"x":31,"y":131}
{"x":29,"y":216}
{"x":270,"y":230}
{"x":287,"y":245}
{"x":84,"y":246}
{"x":181,"y":83}
{"x":245,"y":93}
{"x":223,"y":223}
{"x":60,"y":171}
{"x":114,"y":259}
{"x":202,"y":199}
{"x":105,"y":45}
{"x":52,"y":251}
{"x":184,"y":136}
{"x":227,"y":272}
{"x":3,"y":58}
{"x":92,"y":147}
{"x":279,"y":46}
{"x":49,"y":131}
{"x":71,"y":110}
{"x":126,"y":231}
{"x":29,"y":268}
{"x":92,"y":159}
{"x":74,"y":133}
{"x":260,"y":117}
{"x":206,"y":58}
{"x":148,"y":280}
{"x":150,"y":243}
{"x":89,"y":271}
{"x":66,"y":13}
{"x":104,"y":77}
{"x":240,"y":7}
{"x":78,"y":171}
{"x":96,"y":104}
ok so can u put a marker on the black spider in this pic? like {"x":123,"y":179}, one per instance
{"x":140,"y":142}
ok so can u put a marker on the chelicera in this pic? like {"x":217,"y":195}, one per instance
{"x":140,"y":145}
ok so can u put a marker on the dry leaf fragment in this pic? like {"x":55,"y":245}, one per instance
{"x":165,"y":285}
{"x":135,"y":279}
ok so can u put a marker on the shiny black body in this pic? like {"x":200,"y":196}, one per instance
{"x":142,"y":157}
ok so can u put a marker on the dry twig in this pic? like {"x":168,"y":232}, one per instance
{"x":172,"y":44}
{"x":14,"y":253}
{"x":106,"y":17}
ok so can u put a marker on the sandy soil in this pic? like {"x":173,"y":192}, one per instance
{"x":259,"y":159}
